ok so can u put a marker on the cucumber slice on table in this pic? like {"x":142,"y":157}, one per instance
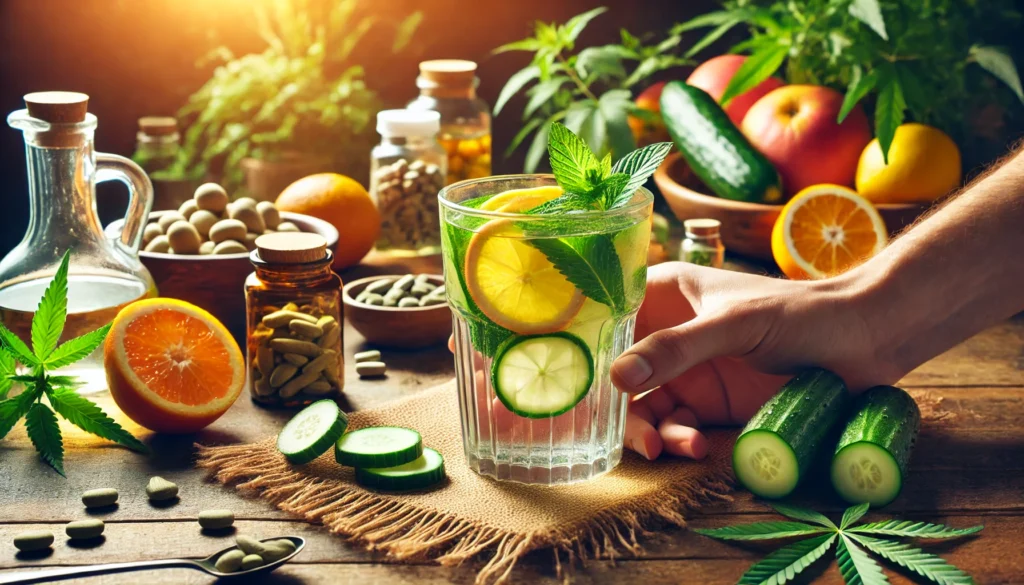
{"x":311,"y":432}
{"x":378,"y":447}
{"x":420,"y":473}
{"x":871,"y":457}
{"x":778,"y":445}
{"x":540,"y":376}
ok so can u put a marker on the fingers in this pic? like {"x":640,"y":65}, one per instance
{"x":665,"y":354}
{"x":679,"y":435}
{"x":641,"y":436}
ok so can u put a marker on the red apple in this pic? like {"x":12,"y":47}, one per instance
{"x":714,"y":75}
{"x":649,"y":132}
{"x":795,"y":127}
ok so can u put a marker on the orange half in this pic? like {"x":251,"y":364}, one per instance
{"x":825,"y":230}
{"x":171,"y":366}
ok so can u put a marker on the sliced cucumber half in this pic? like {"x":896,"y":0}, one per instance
{"x":378,"y":447}
{"x":311,"y":432}
{"x":423,"y":472}
{"x":866,"y":472}
{"x":765,"y":464}
{"x":540,"y":376}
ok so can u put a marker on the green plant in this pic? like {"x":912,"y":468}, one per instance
{"x":589,"y":90}
{"x":300,"y":95}
{"x":45,"y":356}
{"x":855,"y":565}
{"x":931,"y":58}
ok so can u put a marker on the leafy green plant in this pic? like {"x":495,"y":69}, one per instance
{"x":855,"y":565}
{"x":934,"y":60}
{"x":301,"y":95}
{"x":59,"y":391}
{"x":588,"y":90}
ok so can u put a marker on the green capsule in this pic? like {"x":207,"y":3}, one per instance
{"x":251,"y":562}
{"x":216,"y":519}
{"x":250,"y":546}
{"x":230,"y":561}
{"x":83,"y":529}
{"x":161,"y":490}
{"x":100,"y":498}
{"x":34,"y":540}
{"x":370,"y":355}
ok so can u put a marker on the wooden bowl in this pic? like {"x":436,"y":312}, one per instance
{"x":215,"y":283}
{"x":746,"y":227}
{"x":402,"y":328}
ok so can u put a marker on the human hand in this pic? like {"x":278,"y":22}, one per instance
{"x":717,"y":345}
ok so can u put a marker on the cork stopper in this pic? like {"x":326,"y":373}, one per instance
{"x":448,"y":72}
{"x":702,"y":227}
{"x":57,"y":107}
{"x":291,"y":247}
{"x":158,"y":125}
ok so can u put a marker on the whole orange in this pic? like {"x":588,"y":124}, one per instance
{"x":342,"y":202}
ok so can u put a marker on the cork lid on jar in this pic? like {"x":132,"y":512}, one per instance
{"x":701,"y":227}
{"x":291,"y":247}
{"x":158,"y":125}
{"x":447,"y":72}
{"x":57,"y":107}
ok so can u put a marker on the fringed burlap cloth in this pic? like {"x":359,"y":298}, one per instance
{"x":471,"y":515}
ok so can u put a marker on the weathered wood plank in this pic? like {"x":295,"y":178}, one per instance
{"x":994,"y":357}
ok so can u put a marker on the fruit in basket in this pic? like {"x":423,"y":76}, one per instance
{"x":715,"y":149}
{"x":714,"y":75}
{"x":825,"y":230}
{"x":648,"y":131}
{"x":171,"y":366}
{"x":924,"y":164}
{"x":795,"y":127}
{"x":341,"y":202}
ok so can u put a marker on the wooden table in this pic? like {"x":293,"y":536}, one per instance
{"x":968,"y":469}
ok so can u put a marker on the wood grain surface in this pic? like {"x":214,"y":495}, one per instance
{"x":968,"y":469}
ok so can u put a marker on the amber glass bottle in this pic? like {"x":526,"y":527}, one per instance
{"x":293,"y":302}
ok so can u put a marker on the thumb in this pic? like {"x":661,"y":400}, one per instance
{"x":665,"y":354}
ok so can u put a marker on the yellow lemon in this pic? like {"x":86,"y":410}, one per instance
{"x":924,"y":164}
{"x":519,"y":200}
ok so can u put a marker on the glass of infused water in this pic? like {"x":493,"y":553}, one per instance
{"x":533,"y":350}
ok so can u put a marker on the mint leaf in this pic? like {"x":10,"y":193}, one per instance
{"x":8,"y":367}
{"x":90,"y":418}
{"x":761,"y":531}
{"x":640,"y":165}
{"x":611,"y":193}
{"x":562,"y":204}
{"x":48,"y":322}
{"x":590,"y":263}
{"x":606,"y":165}
{"x":75,"y":349}
{"x":44,"y":433}
{"x":572,"y":162}
{"x":784,"y":564}
{"x":13,"y":409}
{"x":16,"y":346}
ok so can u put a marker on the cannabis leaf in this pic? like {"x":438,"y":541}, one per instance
{"x":589,"y":262}
{"x":855,"y":565}
{"x":40,"y":421}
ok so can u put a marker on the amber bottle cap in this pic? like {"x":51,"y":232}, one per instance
{"x":448,"y":71}
{"x":158,"y":125}
{"x":291,"y":247}
{"x":702,"y":227}
{"x":57,"y":107}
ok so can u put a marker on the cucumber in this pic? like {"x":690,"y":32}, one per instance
{"x":778,"y":445}
{"x":378,"y":447}
{"x":870,"y":460}
{"x":715,"y":149}
{"x":423,"y":472}
{"x":540,"y":376}
{"x":311,"y":432}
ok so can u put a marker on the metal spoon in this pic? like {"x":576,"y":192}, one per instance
{"x":205,"y":565}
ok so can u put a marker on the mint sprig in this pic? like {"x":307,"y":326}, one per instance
{"x":589,"y":262}
{"x":40,"y":421}
{"x":855,"y":565}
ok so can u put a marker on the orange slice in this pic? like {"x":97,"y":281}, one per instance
{"x":519,"y":200}
{"x":171,"y":366}
{"x":515,"y":285}
{"x":825,"y":230}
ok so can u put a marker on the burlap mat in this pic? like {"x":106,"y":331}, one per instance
{"x":472,"y":515}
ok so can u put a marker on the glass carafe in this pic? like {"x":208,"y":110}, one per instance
{"x":104,"y":273}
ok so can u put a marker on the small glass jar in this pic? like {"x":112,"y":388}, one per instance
{"x":703,"y":243}
{"x":157,"y":143}
{"x":407,"y":170}
{"x":448,"y":86}
{"x":294,"y":316}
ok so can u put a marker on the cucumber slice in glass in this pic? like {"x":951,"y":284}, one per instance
{"x":866,"y":472}
{"x":311,"y":432}
{"x":378,"y":447}
{"x":540,"y":376}
{"x":423,"y":472}
{"x":765,"y":464}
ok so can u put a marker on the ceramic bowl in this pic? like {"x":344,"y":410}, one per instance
{"x":215,"y":283}
{"x":395,"y":327}
{"x":746,"y":227}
